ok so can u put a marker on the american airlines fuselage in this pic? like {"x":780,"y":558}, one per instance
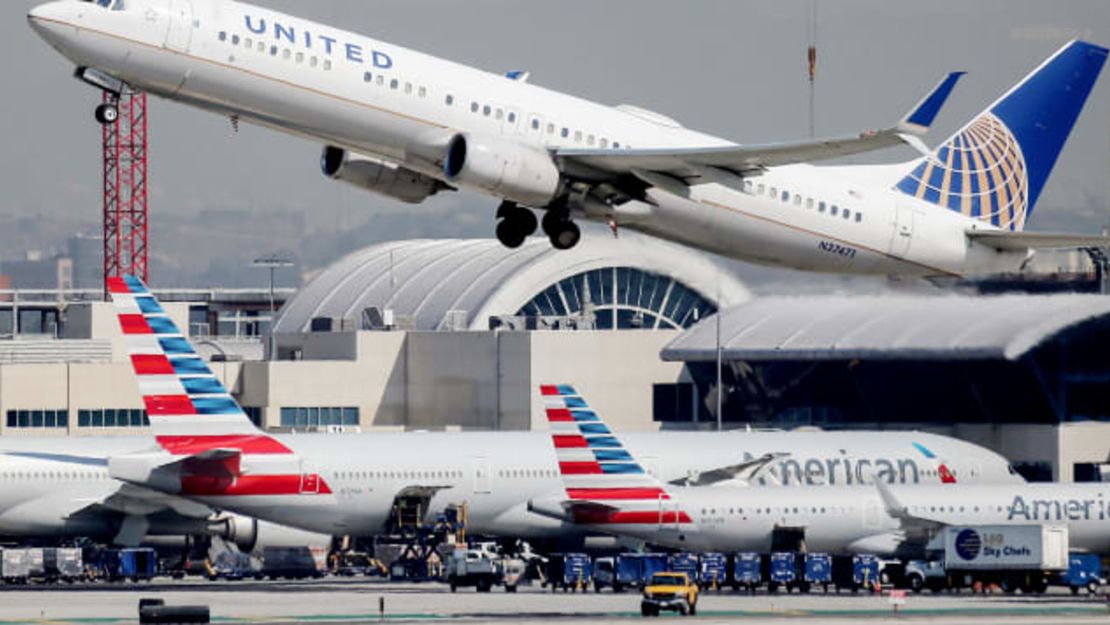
{"x":372,"y":98}
{"x":347,"y":484}
{"x":856,"y":519}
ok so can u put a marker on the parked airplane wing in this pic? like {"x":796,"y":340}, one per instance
{"x":699,"y":164}
{"x":916,"y":529}
{"x":1021,"y":241}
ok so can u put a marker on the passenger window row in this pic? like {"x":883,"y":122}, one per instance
{"x":395,"y":475}
{"x":285,"y":53}
{"x":795,"y":199}
{"x":497,"y":113}
{"x":54,"y":475}
{"x":394,"y":84}
{"x":526,"y":473}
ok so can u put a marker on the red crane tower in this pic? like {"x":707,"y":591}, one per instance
{"x":125,"y":184}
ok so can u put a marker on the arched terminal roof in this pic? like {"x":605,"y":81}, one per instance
{"x":889,"y":327}
{"x":428,"y":281}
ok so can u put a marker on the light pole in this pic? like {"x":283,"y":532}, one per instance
{"x":273,"y":262}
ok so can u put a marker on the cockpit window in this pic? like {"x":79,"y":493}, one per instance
{"x":112,"y":5}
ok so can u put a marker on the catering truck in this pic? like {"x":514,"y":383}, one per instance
{"x":1015,"y":557}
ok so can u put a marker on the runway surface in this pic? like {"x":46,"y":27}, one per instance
{"x":337,"y":601}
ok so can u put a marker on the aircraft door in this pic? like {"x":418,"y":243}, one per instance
{"x":310,"y":479}
{"x":668,"y":515}
{"x":482,"y":476}
{"x":873,"y":514}
{"x":180,"y":32}
{"x":902,"y":236}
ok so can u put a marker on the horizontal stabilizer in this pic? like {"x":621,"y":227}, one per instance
{"x":163,"y":472}
{"x":1021,"y":241}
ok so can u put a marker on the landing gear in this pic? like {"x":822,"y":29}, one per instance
{"x":107,"y":113}
{"x":516,"y":225}
{"x":563,"y":232}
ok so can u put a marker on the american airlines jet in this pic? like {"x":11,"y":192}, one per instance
{"x":409,"y":126}
{"x":58,"y":488}
{"x":607,"y":489}
{"x":206,"y":449}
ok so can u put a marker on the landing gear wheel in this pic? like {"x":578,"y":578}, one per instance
{"x":509,"y":235}
{"x":107,"y":114}
{"x":517,"y":224}
{"x":567,"y":237}
{"x":563,"y":233}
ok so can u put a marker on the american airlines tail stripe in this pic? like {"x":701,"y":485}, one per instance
{"x":562,"y":441}
{"x":152,"y":364}
{"x":248,"y":485}
{"x":247,"y":444}
{"x":161,"y":405}
{"x":579,"y":468}
{"x":557,"y":389}
{"x":646,"y":517}
{"x":652,"y":492}
{"x":559,"y":414}
{"x":134,"y":324}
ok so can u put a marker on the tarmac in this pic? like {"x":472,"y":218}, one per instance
{"x":359,"y":600}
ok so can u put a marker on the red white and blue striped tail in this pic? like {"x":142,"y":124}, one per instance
{"x":596,"y":468}
{"x":183,"y":398}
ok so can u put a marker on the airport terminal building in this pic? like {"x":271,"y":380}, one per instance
{"x":459,"y":334}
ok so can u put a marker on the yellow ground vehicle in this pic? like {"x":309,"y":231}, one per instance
{"x":670,"y":591}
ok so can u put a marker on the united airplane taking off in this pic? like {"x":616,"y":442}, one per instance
{"x":206,"y":449}
{"x":409,"y":126}
{"x":607,"y":489}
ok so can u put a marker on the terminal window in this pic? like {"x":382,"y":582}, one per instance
{"x":38,"y":419}
{"x":672,"y":402}
{"x":112,"y":418}
{"x":314,"y":417}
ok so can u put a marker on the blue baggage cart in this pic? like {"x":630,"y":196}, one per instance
{"x":747,"y":571}
{"x":712,"y":570}
{"x":818,"y":571}
{"x":784,"y":571}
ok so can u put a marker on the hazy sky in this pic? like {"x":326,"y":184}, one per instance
{"x":732,"y":67}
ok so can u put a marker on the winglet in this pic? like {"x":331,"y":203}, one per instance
{"x":921,"y":117}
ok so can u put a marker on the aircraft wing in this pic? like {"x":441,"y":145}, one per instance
{"x":1022,"y":241}
{"x":916,"y":529}
{"x":700,"y":164}
{"x":745,"y":471}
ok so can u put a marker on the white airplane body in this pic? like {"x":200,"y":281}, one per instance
{"x":58,"y":488}
{"x":205,"y":449}
{"x":409,"y":125}
{"x":614,"y":494}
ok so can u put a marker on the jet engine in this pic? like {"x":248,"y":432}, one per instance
{"x":252,"y":536}
{"x":507,"y":169}
{"x":378,"y":176}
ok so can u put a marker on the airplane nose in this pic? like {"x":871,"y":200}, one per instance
{"x":50,"y":18}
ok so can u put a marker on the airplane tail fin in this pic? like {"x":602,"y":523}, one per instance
{"x":604,"y":482}
{"x":996,"y":166}
{"x":189,"y":409}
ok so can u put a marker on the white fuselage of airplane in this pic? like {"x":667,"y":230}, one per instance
{"x":495,"y":474}
{"x":856,"y":519}
{"x":387,"y":102}
{"x":357,"y":478}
